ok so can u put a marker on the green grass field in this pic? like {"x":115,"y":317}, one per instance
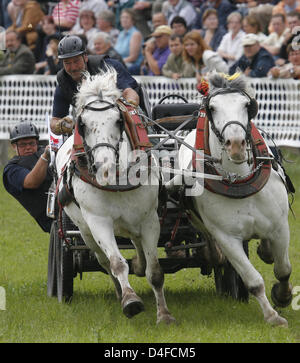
{"x":95,"y":314}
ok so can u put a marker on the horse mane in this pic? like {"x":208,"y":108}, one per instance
{"x":236,"y":81}
{"x":102,"y":84}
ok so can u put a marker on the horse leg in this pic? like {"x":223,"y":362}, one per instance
{"x":233,"y":250}
{"x":102,"y":259}
{"x":281,"y":291}
{"x":154,"y":272}
{"x":264,"y":251}
{"x":138,"y":262}
{"x":105,"y":239}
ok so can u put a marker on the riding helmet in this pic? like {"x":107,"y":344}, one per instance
{"x":71,"y":46}
{"x":23,"y":130}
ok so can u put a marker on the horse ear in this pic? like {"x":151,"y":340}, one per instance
{"x":252,"y":108}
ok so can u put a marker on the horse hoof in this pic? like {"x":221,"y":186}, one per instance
{"x":277,"y":320}
{"x":282,"y":300}
{"x":132,"y":306}
{"x":167,"y":319}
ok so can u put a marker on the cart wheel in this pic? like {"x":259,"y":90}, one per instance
{"x":52,"y":282}
{"x":64,"y":268}
{"x":228,"y":281}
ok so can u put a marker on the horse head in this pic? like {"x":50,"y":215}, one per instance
{"x":230,"y":109}
{"x":99,"y":124}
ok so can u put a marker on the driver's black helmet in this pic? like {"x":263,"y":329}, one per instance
{"x":23,"y":130}
{"x":70,"y":46}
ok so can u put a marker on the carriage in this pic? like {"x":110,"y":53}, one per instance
{"x":185,"y":219}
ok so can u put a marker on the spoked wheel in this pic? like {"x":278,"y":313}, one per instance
{"x":64,"y":268}
{"x":228,"y":282}
{"x":52,"y":276}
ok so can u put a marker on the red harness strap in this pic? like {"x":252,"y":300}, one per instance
{"x":241,"y":188}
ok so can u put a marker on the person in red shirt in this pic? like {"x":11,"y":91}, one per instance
{"x":65,"y":14}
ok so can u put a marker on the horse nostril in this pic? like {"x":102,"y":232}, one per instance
{"x":227,"y":143}
{"x":243,"y":142}
{"x":105,"y":174}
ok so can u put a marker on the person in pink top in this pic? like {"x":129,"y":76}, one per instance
{"x":65,"y":14}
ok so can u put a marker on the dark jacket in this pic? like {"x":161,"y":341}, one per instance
{"x":69,"y":87}
{"x":260,"y":64}
{"x":33,"y":200}
{"x":20,"y":62}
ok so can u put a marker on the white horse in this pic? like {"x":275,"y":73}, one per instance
{"x":264,"y":215}
{"x":102,"y":214}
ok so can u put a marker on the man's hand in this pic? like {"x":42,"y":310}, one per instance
{"x":64,"y":126}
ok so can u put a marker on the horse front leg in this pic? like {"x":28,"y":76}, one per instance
{"x":233,"y":250}
{"x":154,"y":272}
{"x":103,"y":235}
{"x":281,"y":291}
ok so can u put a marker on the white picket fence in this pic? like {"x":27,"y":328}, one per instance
{"x":30,"y":98}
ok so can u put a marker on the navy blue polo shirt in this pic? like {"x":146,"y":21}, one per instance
{"x":124,"y":80}
{"x":15,"y":176}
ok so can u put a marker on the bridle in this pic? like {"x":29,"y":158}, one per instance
{"x":89,"y":150}
{"x":250,"y":108}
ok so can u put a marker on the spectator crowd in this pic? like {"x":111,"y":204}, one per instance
{"x":172,"y":38}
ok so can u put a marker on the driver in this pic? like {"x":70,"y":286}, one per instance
{"x":26,"y":176}
{"x":72,"y":51}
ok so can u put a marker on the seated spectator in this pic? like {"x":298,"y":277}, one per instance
{"x":262,"y":11}
{"x":129,"y":42}
{"x":106,"y":24}
{"x":290,"y":69}
{"x":256,"y":61}
{"x":194,"y":47}
{"x":212,"y":33}
{"x":252,"y":25}
{"x":29,"y":14}
{"x":223,"y":7}
{"x":173,"y":66}
{"x":96,"y":6}
{"x":274,"y":41}
{"x":46,"y":30}
{"x":179,"y":26}
{"x":181,"y":8}
{"x":103,"y":46}
{"x":53,"y":63}
{"x":65,"y":14}
{"x":231,"y":48}
{"x":87,"y":23}
{"x":293,"y":25}
{"x":117,"y":7}
{"x":18,"y":58}
{"x":158,"y":19}
{"x":156,"y":53}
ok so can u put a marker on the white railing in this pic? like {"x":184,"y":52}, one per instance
{"x":30,"y":97}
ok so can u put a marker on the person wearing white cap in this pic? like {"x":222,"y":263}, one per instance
{"x":256,"y":61}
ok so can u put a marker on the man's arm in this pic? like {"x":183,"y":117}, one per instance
{"x":38,"y":174}
{"x":60,"y":123}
